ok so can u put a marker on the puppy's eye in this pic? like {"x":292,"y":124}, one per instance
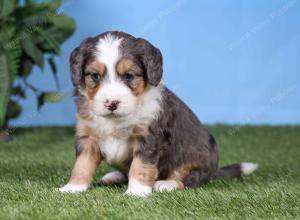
{"x":128,"y":77}
{"x":95,"y":77}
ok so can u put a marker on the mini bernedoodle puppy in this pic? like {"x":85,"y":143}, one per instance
{"x":129,"y":118}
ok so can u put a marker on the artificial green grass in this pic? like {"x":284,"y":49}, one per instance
{"x":40,"y":159}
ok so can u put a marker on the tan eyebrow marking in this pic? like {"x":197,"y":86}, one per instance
{"x":96,"y":66}
{"x":125,"y":65}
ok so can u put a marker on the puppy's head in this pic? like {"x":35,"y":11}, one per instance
{"x":112,"y":71}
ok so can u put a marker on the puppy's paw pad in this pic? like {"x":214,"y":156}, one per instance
{"x":165,"y":185}
{"x":114,"y":177}
{"x":72,"y":188}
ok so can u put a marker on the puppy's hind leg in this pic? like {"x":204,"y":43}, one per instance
{"x":177,"y":178}
{"x":113,"y":178}
{"x":167,"y":185}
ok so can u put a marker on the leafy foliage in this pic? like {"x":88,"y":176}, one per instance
{"x":9,"y":63}
{"x":30,"y":34}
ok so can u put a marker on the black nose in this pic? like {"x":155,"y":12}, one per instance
{"x":111,"y":105}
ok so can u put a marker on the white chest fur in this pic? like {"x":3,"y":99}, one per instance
{"x":116,"y":150}
{"x":114,"y":133}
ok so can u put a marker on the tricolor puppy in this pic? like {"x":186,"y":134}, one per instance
{"x":129,"y":118}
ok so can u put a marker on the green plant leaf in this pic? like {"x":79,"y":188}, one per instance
{"x":7,"y":40}
{"x":13,"y":109}
{"x":50,"y":35}
{"x":18,"y":91}
{"x":64,"y":22}
{"x":33,"y":14}
{"x":29,"y":2}
{"x":47,"y":41}
{"x":33,"y":52}
{"x":4,"y":87}
{"x":40,"y":100}
{"x":54,"y":4}
{"x":52,"y":65}
{"x":25,"y":67}
{"x":9,"y":63}
{"x":49,"y":97}
{"x":63,"y":28}
{"x":52,"y":97}
{"x":54,"y":70}
{"x":6,"y":7}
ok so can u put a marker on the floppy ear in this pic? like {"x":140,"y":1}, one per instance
{"x":152,"y":61}
{"x":77,"y":62}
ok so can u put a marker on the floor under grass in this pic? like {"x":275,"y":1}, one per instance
{"x":40,"y":159}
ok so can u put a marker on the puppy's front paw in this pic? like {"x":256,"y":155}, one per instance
{"x":138,"y":192}
{"x":135,"y":188}
{"x":72,"y":188}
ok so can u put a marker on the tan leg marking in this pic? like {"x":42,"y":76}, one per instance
{"x":86,"y":162}
{"x":183,"y":171}
{"x":141,"y":178}
{"x":84,"y":167}
{"x":143,"y":172}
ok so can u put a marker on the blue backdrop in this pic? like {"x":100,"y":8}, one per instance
{"x":230,"y":61}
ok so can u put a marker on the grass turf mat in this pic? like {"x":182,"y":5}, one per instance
{"x":40,"y":159}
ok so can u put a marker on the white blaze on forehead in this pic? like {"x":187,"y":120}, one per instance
{"x":108,"y":52}
{"x":112,"y":88}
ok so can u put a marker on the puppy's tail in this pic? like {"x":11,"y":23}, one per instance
{"x":236,"y":170}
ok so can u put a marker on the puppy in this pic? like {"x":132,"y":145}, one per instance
{"x":129,"y":118}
